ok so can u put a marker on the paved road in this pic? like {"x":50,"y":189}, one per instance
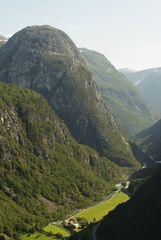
{"x":94,"y":231}
{"x":95,"y":227}
{"x":83,"y":210}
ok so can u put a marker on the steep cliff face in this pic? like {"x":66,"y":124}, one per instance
{"x":46,"y":60}
{"x":133,"y":114}
{"x":44,"y":173}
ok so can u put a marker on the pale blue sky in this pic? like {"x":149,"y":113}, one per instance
{"x":128,"y":32}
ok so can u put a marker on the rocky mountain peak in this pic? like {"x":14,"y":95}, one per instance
{"x":46,"y":39}
{"x":46,"y":60}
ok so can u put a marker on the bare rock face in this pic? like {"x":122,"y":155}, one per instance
{"x":46,"y":60}
{"x":3,"y":40}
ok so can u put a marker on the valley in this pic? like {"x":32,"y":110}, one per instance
{"x":88,"y":217}
{"x":80,"y":138}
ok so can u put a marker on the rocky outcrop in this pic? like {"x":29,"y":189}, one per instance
{"x":46,"y":60}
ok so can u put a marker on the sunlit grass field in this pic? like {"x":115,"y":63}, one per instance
{"x":102,"y":209}
{"x":97,"y":212}
{"x":54,"y":229}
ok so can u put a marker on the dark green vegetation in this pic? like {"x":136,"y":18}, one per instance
{"x":46,"y":60}
{"x":148,"y":83}
{"x":139,"y":218}
{"x":140,"y":177}
{"x":141,"y":155}
{"x":86,"y":219}
{"x":50,"y":232}
{"x":44,"y":172}
{"x":150,"y":141}
{"x":122,"y":98}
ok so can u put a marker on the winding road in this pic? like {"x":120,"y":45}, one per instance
{"x":94,"y":231}
{"x":96,"y":226}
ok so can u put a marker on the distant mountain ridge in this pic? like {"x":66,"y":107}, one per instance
{"x":148,"y":82}
{"x":133,"y":114}
{"x":3,"y":40}
{"x":46,"y":60}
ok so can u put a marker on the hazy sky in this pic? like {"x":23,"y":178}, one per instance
{"x":128,"y":32}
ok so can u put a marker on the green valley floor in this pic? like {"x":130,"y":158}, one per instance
{"x":91,"y":214}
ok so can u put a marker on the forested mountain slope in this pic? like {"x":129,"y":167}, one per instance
{"x":132,"y":113}
{"x":44,"y":172}
{"x":139,"y":218}
{"x":150,"y":141}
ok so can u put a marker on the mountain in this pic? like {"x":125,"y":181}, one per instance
{"x":46,"y":60}
{"x":3,"y":40}
{"x":143,"y":157}
{"x":44,"y":172}
{"x":150,"y":141}
{"x":139,"y":218}
{"x":124,"y":70}
{"x":133,"y":114}
{"x":148,"y":83}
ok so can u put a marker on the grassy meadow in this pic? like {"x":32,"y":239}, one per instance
{"x":102,"y":209}
{"x":96,"y":212}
